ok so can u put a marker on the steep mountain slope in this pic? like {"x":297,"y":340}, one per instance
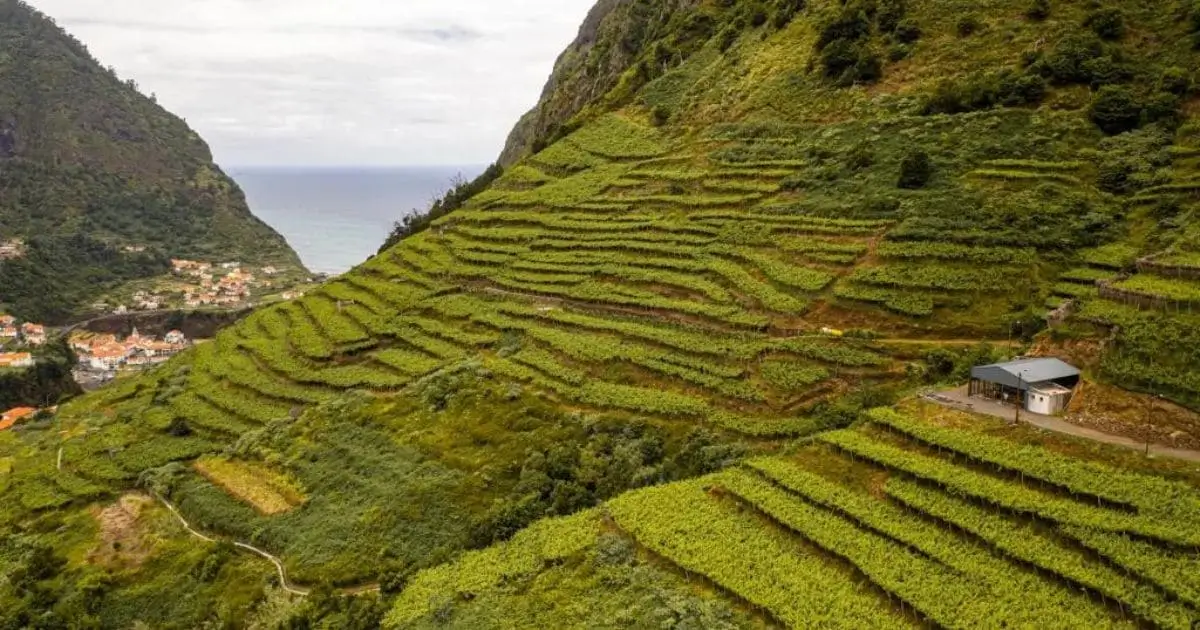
{"x":89,"y":166}
{"x":756,"y":230}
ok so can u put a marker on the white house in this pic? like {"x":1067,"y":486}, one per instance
{"x":34,"y":334}
{"x":108,"y":357}
{"x":175,"y":337}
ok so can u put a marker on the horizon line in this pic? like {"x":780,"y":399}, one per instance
{"x":352,"y":166}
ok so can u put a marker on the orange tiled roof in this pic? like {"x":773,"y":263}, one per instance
{"x":11,"y":416}
{"x":8,"y":358}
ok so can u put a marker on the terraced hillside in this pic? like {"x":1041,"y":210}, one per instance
{"x":678,"y":326}
{"x":899,"y":523}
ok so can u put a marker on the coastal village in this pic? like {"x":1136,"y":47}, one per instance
{"x":100,"y":356}
{"x":16,"y":341}
{"x":106,"y":354}
{"x":197,"y":284}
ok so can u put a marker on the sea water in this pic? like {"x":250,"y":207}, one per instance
{"x":335,"y":218}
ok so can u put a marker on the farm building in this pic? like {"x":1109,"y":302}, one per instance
{"x":1042,"y":386}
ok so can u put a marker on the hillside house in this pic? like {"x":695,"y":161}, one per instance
{"x":1041,"y":386}
{"x":108,"y":357}
{"x":12,"y":249}
{"x":175,"y":337}
{"x":16,"y":360}
{"x":8,"y":320}
{"x":8,"y":333}
{"x":33,"y":334}
{"x":80,"y":343}
{"x":12,"y":416}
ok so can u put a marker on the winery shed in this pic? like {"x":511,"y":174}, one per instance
{"x":1042,"y":386}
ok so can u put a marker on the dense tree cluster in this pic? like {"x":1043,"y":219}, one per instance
{"x":43,"y":385}
{"x":60,"y":273}
{"x":609,"y":458}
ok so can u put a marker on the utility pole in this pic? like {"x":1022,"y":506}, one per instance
{"x":1020,"y":381}
{"x":1149,"y":405}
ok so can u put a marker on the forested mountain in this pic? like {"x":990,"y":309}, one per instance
{"x":662,"y":366}
{"x":90,"y":166}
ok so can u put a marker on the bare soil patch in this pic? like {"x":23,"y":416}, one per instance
{"x":1138,"y":416}
{"x":123,"y":541}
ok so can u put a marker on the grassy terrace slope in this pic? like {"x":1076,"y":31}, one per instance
{"x":834,"y":532}
{"x":603,"y":392}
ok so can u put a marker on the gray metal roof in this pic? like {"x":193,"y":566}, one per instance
{"x":1022,"y":372}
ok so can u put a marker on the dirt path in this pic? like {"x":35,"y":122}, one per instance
{"x":958,"y":399}
{"x":948,"y":342}
{"x":283,"y":579}
{"x":1062,"y":426}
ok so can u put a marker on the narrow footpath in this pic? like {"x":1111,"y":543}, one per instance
{"x":283,"y":579}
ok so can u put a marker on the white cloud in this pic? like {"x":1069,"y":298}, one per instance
{"x":352,"y":82}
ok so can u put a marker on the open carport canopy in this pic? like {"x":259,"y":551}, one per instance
{"x":1025,"y":372}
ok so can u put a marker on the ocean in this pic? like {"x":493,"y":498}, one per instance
{"x":337,"y":217}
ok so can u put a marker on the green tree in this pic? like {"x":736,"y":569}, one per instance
{"x":1116,"y":110}
{"x":915,"y":170}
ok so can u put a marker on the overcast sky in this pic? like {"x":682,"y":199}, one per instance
{"x":334,"y":82}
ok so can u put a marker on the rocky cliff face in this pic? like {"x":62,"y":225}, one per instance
{"x":616,"y":35}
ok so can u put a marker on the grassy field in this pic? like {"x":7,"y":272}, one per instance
{"x":256,"y":485}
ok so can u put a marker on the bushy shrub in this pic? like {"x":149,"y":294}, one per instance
{"x":1107,"y":70}
{"x":851,"y":24}
{"x":899,"y":52}
{"x":1114,"y":177}
{"x":758,"y":17}
{"x":659,"y":116}
{"x":849,"y":62}
{"x":979,"y":92}
{"x":785,"y":11}
{"x":968,"y":25}
{"x":860,"y":158}
{"x":1162,"y":107}
{"x":1107,"y":23}
{"x":844,"y":46}
{"x":907,"y":32}
{"x":1038,"y":10}
{"x":889,"y":13}
{"x":1195,"y":24}
{"x":1116,"y":110}
{"x":727,"y":37}
{"x":915,"y":170}
{"x":1175,"y":80}
{"x":1068,"y":61}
